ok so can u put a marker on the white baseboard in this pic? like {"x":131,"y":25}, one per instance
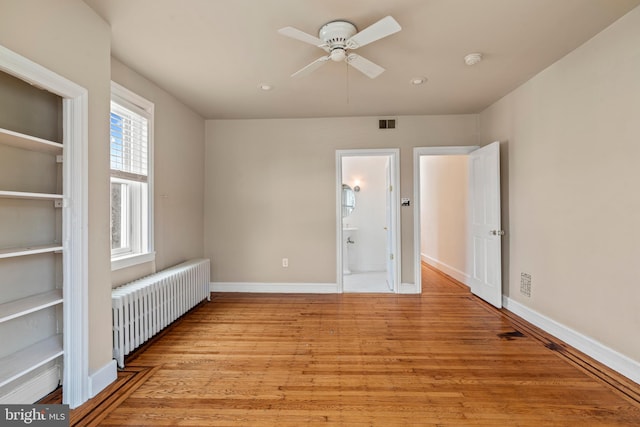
{"x":34,"y":388}
{"x":278,"y":288}
{"x":101,"y":378}
{"x":460,"y":276}
{"x":291,"y":288}
{"x":409,"y":288}
{"x":603,"y":354}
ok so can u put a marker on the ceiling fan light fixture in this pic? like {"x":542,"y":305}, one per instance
{"x":339,"y":38}
{"x":473,"y":58}
{"x":338,"y":55}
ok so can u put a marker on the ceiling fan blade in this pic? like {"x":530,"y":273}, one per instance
{"x":295,"y":33}
{"x":383,"y":28}
{"x":365,"y":66}
{"x":311,"y":67}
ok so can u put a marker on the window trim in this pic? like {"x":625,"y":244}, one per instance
{"x":142,"y":106}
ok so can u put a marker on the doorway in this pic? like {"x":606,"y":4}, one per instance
{"x":469,"y":249}
{"x":367,"y":221}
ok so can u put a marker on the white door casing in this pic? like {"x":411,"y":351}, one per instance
{"x":75,"y":374}
{"x":389,"y":227}
{"x":418,"y":152}
{"x":394,"y":207}
{"x":485,"y":233}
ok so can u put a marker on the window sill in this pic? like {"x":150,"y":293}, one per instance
{"x":131,"y":260}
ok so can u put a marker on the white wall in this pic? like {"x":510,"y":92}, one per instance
{"x":443,"y":213}
{"x":572,"y":136}
{"x":369,"y":216}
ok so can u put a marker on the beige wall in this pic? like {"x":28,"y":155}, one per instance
{"x":270,"y":190}
{"x":443,"y":212}
{"x":178,"y":177}
{"x":573,"y":135}
{"x":67,"y":37}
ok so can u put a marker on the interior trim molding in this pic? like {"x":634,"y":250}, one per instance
{"x":598,"y":351}
{"x":34,"y":388}
{"x":278,"y":288}
{"x":396,"y":241}
{"x":409,"y":288}
{"x":460,"y":276}
{"x":417,"y":233}
{"x":293,"y":288}
{"x":75,"y":105}
{"x":100,"y":379}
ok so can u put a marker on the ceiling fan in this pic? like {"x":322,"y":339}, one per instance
{"x":339,"y":38}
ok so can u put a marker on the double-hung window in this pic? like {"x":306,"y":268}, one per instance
{"x":131,"y":148}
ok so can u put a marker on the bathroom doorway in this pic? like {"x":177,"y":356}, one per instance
{"x":367,"y":221}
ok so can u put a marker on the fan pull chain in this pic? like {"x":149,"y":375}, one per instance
{"x":347,"y":65}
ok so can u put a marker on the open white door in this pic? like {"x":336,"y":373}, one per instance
{"x":484,"y":224}
{"x":391,"y":273}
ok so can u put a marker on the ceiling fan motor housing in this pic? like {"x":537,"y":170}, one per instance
{"x":335,"y":34}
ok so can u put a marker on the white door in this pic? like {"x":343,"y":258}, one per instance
{"x":485,"y":229}
{"x":389,"y":228}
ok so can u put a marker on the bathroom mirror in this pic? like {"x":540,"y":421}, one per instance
{"x":348,"y":200}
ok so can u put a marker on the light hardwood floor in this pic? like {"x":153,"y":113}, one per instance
{"x":443,"y":358}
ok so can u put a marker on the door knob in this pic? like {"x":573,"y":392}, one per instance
{"x":497,"y":232}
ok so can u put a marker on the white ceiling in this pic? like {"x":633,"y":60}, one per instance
{"x":213,"y":54}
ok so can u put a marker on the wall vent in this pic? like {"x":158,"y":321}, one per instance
{"x":525,"y":284}
{"x":387,"y":124}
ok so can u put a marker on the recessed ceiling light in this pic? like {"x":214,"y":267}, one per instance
{"x":417,"y":80}
{"x":264,"y":86}
{"x":473,"y":58}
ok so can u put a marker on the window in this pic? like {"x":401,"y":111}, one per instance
{"x":131,"y":143}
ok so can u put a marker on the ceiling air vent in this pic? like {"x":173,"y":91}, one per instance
{"x":387,"y":124}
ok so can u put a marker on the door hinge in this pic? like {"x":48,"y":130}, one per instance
{"x":391,"y":257}
{"x":391,"y":188}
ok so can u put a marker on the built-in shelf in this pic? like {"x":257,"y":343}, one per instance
{"x":27,"y":195}
{"x":28,"y":142}
{"x":29,"y":250}
{"x":26,"y":360}
{"x":24,"y":306}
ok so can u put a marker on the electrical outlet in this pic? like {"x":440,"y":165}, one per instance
{"x":525,"y":284}
{"x":285,"y":262}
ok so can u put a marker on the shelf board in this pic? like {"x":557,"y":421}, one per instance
{"x":23,"y":306}
{"x":26,"y":360}
{"x":27,"y":195}
{"x":30,"y":250}
{"x":28,"y":142}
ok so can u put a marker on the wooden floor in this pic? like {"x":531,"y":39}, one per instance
{"x":443,"y":358}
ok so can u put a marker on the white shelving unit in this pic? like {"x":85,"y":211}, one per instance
{"x":31,"y":250}
{"x":28,"y":142}
{"x":26,"y":195}
{"x":26,"y":360}
{"x":17,"y":308}
{"x":32,"y":355}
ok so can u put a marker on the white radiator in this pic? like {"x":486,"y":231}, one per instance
{"x":144,"y":307}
